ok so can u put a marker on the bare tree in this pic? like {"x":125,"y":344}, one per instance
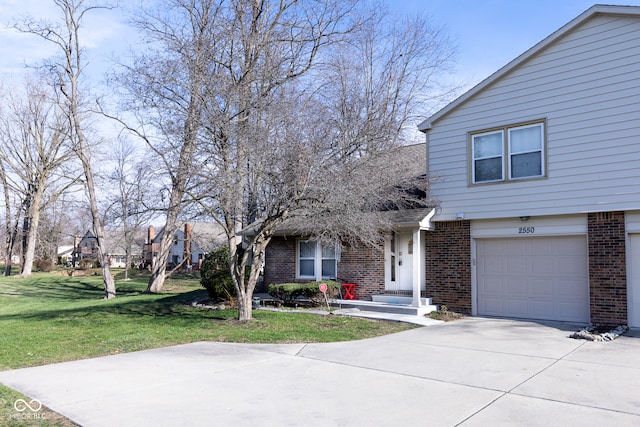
{"x":167,"y":88}
{"x":35,"y":153}
{"x":281,"y":110}
{"x":316,"y":148}
{"x":12,"y":221}
{"x":132,"y":178}
{"x":210,"y":52}
{"x":55,"y":227}
{"x":67,"y":73}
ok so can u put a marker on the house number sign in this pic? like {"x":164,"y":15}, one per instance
{"x":526,"y":230}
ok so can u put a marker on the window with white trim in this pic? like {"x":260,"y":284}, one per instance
{"x":316,"y":260}
{"x":509,"y":153}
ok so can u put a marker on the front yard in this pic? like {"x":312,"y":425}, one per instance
{"x":51,"y":318}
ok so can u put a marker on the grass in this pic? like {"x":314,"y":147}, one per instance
{"x":50,"y":318}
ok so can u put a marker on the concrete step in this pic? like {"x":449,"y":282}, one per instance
{"x":381,"y":307}
{"x":398,"y":299}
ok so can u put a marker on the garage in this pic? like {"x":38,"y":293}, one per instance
{"x":533,"y":278}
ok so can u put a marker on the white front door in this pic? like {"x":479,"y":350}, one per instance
{"x":399,"y":262}
{"x":405,"y":262}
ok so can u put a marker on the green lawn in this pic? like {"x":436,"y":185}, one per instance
{"x":51,"y":318}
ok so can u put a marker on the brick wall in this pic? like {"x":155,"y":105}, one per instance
{"x":607,"y":268}
{"x":448,"y":265}
{"x":363,"y":266}
{"x":280,"y":261}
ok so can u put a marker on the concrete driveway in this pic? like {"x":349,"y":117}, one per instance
{"x":471,"y":372}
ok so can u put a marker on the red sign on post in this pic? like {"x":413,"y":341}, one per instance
{"x":323,"y":289}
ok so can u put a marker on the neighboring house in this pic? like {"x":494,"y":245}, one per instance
{"x":116,"y":247}
{"x":539,"y":214}
{"x":397,"y":267}
{"x":87,"y":247}
{"x":65,"y":254}
{"x":191,"y":242}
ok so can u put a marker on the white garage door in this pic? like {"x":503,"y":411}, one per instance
{"x":633,"y":289}
{"x":533,"y":278}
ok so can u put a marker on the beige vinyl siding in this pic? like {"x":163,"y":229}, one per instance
{"x":586,"y":85}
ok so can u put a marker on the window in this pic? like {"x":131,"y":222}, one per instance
{"x":487,"y":157}
{"x":306,"y":259}
{"x":524,"y":145}
{"x":392,"y":250}
{"x":525,"y":151}
{"x":314,"y":257}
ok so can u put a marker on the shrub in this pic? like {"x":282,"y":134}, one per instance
{"x":290,"y":292}
{"x":86,"y":263}
{"x":44,"y":265}
{"x":215,"y":275}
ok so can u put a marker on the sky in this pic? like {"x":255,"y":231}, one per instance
{"x":488,"y":33}
{"x":491,"y":33}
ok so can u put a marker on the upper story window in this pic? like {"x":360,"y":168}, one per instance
{"x":508,"y":153}
{"x":316,"y":260}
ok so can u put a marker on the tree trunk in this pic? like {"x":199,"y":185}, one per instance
{"x":11,"y":232}
{"x":184,"y":170}
{"x":30,"y":238}
{"x":245,"y":286}
{"x":127,"y":260}
{"x":158,"y":274}
{"x":98,"y":228}
{"x":26,"y":224}
{"x":245,"y":307}
{"x":159,"y":268}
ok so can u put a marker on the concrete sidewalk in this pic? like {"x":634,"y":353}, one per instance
{"x":471,"y":372}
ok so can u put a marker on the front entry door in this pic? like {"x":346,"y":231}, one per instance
{"x":405,"y":262}
{"x":399,"y":262}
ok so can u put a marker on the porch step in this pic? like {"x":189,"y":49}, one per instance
{"x":382,"y":307}
{"x":398,"y":299}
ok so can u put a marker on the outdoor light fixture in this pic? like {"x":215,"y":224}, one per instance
{"x":460,"y":215}
{"x":524,"y":218}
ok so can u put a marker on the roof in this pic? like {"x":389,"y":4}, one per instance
{"x":89,"y":235}
{"x":207,"y":235}
{"x":65,"y":250}
{"x":410,"y":158}
{"x":411,"y":218}
{"x":590,"y":13}
{"x":414,"y":218}
{"x":115,"y":241}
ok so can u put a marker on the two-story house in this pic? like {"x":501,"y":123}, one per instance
{"x":539,"y":214}
{"x":86,"y":247}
